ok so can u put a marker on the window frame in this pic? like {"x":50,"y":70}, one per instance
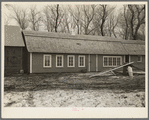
{"x":68,"y":60}
{"x":62,"y":60}
{"x":112,"y":61}
{"x":79,"y":60}
{"x":44,"y":60}
{"x":140,"y":58}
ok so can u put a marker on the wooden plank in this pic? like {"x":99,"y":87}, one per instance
{"x":111,"y":69}
{"x":113,"y":73}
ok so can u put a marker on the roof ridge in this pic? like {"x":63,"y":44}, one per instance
{"x":76,"y":37}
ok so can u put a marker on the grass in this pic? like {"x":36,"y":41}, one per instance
{"x":72,"y":81}
{"x":73,"y":89}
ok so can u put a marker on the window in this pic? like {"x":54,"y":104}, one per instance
{"x":71,"y":61}
{"x":59,"y":60}
{"x":139,"y":59}
{"x":112,"y":61}
{"x":118,"y":61}
{"x":81,"y":60}
{"x":47,"y":61}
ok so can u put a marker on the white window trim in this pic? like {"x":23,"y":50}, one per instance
{"x":62,"y":60}
{"x":112,"y":61}
{"x":44,"y":60}
{"x":79,"y":60}
{"x":68,"y":60}
{"x":140,"y":59}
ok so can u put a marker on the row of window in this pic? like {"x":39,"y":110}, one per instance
{"x":108,"y":61}
{"x":112,"y":61}
{"x":59,"y":61}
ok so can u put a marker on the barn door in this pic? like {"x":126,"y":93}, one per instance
{"x":13,"y":59}
{"x":92,"y":63}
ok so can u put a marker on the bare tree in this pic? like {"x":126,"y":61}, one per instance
{"x":76,"y":17}
{"x":53,"y":15}
{"x":34,"y":18}
{"x":6,"y":19}
{"x":132,"y":18}
{"x":19,"y":15}
{"x":57,"y":16}
{"x":88,"y":15}
{"x":111,"y":24}
{"x":47,"y":20}
{"x":66,"y":21}
{"x":124,"y":26}
{"x":137,"y":19}
{"x":102,"y":12}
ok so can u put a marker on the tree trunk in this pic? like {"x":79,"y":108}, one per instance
{"x":57,"y":17}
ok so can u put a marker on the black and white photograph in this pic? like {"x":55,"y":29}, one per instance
{"x":76,"y":56}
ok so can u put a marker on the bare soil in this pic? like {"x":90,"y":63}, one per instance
{"x":73,"y":90}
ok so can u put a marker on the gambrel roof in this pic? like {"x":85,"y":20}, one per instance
{"x":47,"y":42}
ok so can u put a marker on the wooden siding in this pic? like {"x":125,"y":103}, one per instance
{"x":25,"y":60}
{"x":16,"y":59}
{"x":37,"y":63}
{"x":13,"y":59}
{"x":141,"y":64}
{"x":93,"y":63}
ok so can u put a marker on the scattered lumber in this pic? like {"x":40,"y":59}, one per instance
{"x":139,"y":72}
{"x":111,"y":70}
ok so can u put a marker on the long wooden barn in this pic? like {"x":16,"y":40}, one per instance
{"x":58,"y":52}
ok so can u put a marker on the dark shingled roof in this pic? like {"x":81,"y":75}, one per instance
{"x":47,"y":42}
{"x":134,"y":49}
{"x":13,"y":36}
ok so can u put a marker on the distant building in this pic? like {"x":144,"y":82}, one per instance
{"x":15,"y":51}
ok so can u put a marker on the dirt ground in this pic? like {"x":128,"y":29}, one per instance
{"x":73,"y":90}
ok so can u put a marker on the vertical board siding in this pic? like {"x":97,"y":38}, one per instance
{"x":89,"y":63}
{"x":140,"y":65}
{"x":93,"y":63}
{"x":13,"y":59}
{"x":96,"y":63}
{"x":25,"y":61}
{"x":124,"y":60}
{"x":100,"y":62}
{"x":38,"y":64}
{"x":30,"y":62}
